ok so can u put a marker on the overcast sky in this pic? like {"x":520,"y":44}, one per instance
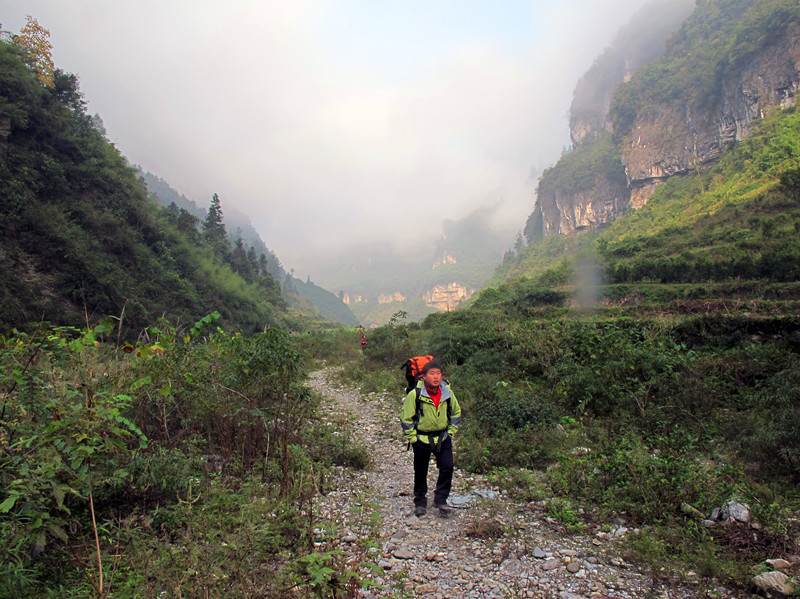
{"x":331,"y":122}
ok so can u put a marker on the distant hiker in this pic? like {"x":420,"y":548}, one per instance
{"x":430,"y":417}
{"x":364,"y":341}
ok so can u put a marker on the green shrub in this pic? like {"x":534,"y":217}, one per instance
{"x":521,"y":484}
{"x":333,"y":446}
{"x":503,"y":408}
{"x":647,"y":483}
{"x":772,"y":436}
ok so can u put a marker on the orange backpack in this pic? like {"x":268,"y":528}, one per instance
{"x":413,"y":368}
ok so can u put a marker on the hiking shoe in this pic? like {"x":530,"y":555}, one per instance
{"x":443,"y":507}
{"x":420,"y":510}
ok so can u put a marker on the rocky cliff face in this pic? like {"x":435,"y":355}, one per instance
{"x":446,"y":297}
{"x":668,"y":140}
{"x":566,"y":212}
{"x":669,"y":137}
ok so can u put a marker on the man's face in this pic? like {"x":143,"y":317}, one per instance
{"x":433,"y":377}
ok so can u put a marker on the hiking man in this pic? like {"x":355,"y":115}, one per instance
{"x":430,"y":417}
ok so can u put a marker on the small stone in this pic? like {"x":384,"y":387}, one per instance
{"x":573,"y":567}
{"x":538,"y":553}
{"x":426,"y":589}
{"x":550,"y":564}
{"x":739,"y":511}
{"x":404,"y":553}
{"x":511,"y":567}
{"x":779,"y":564}
{"x":773,"y":583}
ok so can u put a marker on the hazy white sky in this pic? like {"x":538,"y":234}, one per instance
{"x":331,"y":122}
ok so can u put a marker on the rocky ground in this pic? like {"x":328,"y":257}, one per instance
{"x":489,"y":547}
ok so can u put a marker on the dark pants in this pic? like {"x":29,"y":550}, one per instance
{"x":444,"y":460}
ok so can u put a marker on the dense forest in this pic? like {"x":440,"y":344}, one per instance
{"x":647,"y":369}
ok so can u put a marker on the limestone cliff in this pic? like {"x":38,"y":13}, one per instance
{"x":728,"y":64}
{"x":377,"y":281}
{"x":586,"y":189}
{"x":388,"y":298}
{"x":669,"y":139}
{"x":446,"y":297}
{"x":565,"y":212}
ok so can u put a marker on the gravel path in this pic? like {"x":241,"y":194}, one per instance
{"x":488,"y":547}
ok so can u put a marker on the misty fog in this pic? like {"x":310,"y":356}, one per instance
{"x":333,"y":124}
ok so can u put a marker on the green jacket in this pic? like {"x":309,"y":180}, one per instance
{"x":431,"y":419}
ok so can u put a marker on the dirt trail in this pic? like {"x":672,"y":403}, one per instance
{"x":489,"y":547}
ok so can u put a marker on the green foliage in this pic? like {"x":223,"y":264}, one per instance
{"x":335,"y":346}
{"x":711,"y":46}
{"x":648,"y":483}
{"x":193,"y":460}
{"x":612,"y":369}
{"x":772,"y":433}
{"x":60,"y":444}
{"x":521,"y":484}
{"x":580,"y":170}
{"x":561,"y":510}
{"x":326,"y":575}
{"x":390,"y":344}
{"x":332,"y":446}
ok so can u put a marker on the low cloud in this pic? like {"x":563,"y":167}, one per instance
{"x":334,"y":122}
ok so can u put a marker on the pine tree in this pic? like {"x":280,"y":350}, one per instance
{"x":213,"y":228}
